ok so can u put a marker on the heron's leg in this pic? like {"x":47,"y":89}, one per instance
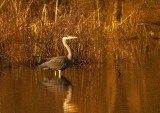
{"x":55,"y":73}
{"x":59,"y":73}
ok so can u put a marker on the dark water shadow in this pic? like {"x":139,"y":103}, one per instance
{"x":61,"y":86}
{"x":55,"y":83}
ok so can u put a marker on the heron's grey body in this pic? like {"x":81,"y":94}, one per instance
{"x":59,"y":63}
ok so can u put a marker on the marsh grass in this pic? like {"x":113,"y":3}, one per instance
{"x":31,"y":31}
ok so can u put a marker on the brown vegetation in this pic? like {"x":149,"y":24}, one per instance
{"x":32,"y":29}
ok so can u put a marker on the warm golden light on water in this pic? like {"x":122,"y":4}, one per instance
{"x":92,"y":89}
{"x":67,"y":105}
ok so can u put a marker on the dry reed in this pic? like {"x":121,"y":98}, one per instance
{"x":31,"y":30}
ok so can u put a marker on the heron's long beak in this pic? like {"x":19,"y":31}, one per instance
{"x":72,"y":37}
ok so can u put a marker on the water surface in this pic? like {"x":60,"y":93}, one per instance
{"x":90,"y":89}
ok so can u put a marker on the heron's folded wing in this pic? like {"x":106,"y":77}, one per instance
{"x":55,"y":63}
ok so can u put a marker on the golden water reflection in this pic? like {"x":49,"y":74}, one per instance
{"x":62,"y":86}
{"x":90,"y":89}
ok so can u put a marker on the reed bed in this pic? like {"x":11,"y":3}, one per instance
{"x":31,"y":31}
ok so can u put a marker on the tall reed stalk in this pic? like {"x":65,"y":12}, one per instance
{"x":33,"y":29}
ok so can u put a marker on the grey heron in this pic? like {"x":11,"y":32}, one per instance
{"x":60,"y":63}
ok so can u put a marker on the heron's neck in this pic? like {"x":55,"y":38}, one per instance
{"x":68,"y":49}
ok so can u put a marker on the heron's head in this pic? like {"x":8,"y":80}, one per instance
{"x":69,"y":37}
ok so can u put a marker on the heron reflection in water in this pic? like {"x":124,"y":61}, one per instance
{"x":61,"y":85}
{"x":60,"y":63}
